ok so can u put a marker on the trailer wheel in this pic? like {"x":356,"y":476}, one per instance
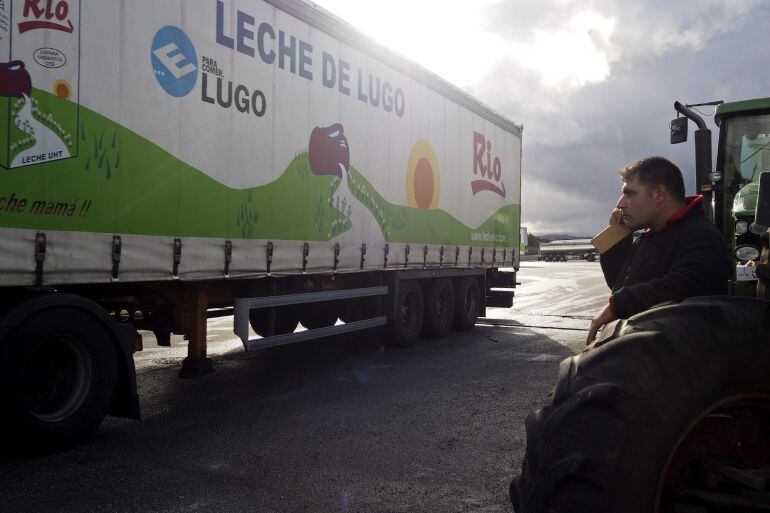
{"x":404,"y":327}
{"x":648,"y":417}
{"x":58,"y":372}
{"x":439,"y":308}
{"x":286,"y":321}
{"x":466,"y":304}
{"x":353,"y":310}
{"x":321,"y":315}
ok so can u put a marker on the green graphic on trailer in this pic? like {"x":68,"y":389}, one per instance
{"x":41,"y":128}
{"x":120,"y":182}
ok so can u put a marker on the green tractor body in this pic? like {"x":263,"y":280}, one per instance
{"x":744,"y":153}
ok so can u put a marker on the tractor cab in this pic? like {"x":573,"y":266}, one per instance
{"x":731,"y":189}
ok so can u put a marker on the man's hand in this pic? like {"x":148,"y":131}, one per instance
{"x":616,"y":217}
{"x":604,"y":317}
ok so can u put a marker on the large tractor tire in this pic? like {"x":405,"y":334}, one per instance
{"x":656,"y":416}
{"x":58,"y":372}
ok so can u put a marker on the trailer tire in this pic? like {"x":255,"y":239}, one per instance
{"x":403,"y":329}
{"x":58,"y":372}
{"x":353,"y":310}
{"x":160,"y":321}
{"x":439,"y":308}
{"x":629,"y":405}
{"x":319,"y":316}
{"x":466,"y":304}
{"x":286,"y":321}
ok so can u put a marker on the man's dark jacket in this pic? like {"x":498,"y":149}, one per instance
{"x":686,"y":258}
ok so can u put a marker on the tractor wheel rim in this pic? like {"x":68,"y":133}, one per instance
{"x":676,"y":465}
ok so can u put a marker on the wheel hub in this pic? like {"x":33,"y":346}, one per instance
{"x":56,"y":378}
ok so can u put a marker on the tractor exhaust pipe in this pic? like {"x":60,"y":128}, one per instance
{"x":703,"y":166}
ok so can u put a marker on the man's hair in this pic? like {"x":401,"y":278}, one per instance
{"x":654,"y":171}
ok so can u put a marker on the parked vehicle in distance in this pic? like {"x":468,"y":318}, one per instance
{"x":569,"y":249}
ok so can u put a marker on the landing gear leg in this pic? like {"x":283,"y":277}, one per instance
{"x":197,"y":363}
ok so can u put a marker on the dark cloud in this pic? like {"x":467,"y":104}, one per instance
{"x":643,"y":26}
{"x":575,"y":141}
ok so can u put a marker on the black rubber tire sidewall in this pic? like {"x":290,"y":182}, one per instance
{"x":160,"y":321}
{"x":465,"y":318}
{"x":98,"y":343}
{"x":602,"y":440}
{"x":286,"y":321}
{"x":401,"y":334}
{"x":353,"y":310}
{"x":321,"y":315}
{"x":435,"y":324}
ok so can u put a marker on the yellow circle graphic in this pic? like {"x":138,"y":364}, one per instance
{"x":423,"y":179}
{"x":62,"y":89}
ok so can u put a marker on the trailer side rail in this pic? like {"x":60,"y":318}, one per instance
{"x":244,"y":305}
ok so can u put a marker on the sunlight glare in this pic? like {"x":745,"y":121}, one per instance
{"x":574,"y":55}
{"x":445,"y":36}
{"x":451,"y":38}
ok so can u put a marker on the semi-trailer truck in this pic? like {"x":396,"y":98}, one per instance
{"x":562,"y":250}
{"x":164,"y":162}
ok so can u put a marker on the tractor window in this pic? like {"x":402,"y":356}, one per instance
{"x":747,"y":151}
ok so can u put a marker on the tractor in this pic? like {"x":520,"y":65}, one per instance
{"x":669,"y":411}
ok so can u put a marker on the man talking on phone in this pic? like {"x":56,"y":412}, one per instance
{"x":679,"y":253}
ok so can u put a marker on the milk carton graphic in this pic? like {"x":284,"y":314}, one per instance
{"x":39,"y":81}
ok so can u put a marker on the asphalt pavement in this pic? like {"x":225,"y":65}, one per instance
{"x":345,"y":424}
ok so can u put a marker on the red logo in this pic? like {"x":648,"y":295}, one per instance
{"x":490,"y":170}
{"x":50,"y":15}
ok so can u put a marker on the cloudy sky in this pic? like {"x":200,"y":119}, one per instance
{"x":592,"y":81}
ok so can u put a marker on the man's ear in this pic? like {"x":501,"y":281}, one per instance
{"x":660,"y":193}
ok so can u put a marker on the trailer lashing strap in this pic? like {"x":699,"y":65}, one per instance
{"x":244,"y":305}
{"x":117,"y":246}
{"x":228,"y":257}
{"x":386,"y":250}
{"x":40,"y":251}
{"x":177,"y":258}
